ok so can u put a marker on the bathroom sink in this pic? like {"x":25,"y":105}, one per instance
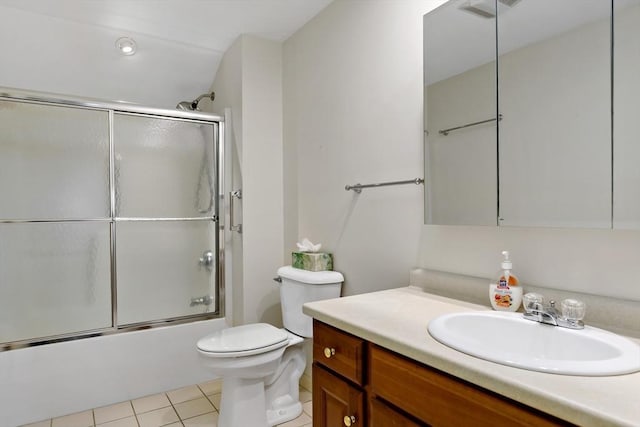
{"x":509,"y":339}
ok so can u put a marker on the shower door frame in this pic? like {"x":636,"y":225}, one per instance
{"x":113,"y":108}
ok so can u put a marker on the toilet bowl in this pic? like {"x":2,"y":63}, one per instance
{"x":261,"y":365}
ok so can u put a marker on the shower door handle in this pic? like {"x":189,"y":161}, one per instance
{"x":238,"y":195}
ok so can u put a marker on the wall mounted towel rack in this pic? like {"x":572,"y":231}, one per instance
{"x":445,"y":132}
{"x":358,"y":187}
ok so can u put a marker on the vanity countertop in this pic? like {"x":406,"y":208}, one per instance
{"x":397,"y":319}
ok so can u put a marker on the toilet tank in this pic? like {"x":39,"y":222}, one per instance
{"x":300,"y":286}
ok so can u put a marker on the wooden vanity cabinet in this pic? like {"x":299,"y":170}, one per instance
{"x":357,"y":383}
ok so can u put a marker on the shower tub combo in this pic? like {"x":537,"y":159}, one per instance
{"x":109,"y":223}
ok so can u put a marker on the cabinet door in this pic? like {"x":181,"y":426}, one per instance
{"x":334,"y":399}
{"x":381,"y":415}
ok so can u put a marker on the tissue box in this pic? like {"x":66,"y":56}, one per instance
{"x":312,"y":261}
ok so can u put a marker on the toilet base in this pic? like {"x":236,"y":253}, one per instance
{"x":285,"y":412}
{"x":243,"y":399}
{"x":260,"y":390}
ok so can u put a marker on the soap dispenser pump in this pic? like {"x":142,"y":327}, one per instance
{"x":506,"y":295}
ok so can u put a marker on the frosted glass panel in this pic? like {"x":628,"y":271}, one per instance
{"x":54,"y":279}
{"x":159,"y":270}
{"x":164,"y":168}
{"x":54,"y":162}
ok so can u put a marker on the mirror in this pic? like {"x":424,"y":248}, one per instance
{"x":460,"y":89}
{"x":554,"y":90}
{"x":626,"y":107}
{"x":552,"y":149}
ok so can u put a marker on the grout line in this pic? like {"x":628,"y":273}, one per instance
{"x":135,"y":416}
{"x":174,"y":409}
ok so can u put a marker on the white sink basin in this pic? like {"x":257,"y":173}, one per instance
{"x":509,"y":339}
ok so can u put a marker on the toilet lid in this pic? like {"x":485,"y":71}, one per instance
{"x":252,"y":338}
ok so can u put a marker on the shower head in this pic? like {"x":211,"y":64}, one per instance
{"x":193,"y":105}
{"x":184,"y":105}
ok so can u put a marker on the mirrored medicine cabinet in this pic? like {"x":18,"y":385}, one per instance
{"x":532,"y":113}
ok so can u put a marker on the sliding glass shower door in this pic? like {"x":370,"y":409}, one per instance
{"x":164,"y":202}
{"x":108,"y":219}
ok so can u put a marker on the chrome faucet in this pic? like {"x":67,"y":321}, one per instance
{"x":570,"y":317}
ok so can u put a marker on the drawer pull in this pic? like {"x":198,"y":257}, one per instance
{"x":328,"y":352}
{"x":349,"y":420}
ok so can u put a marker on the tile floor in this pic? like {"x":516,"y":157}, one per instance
{"x":193,"y":406}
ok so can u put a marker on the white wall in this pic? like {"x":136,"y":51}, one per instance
{"x":353,"y":102}
{"x":250,"y":83}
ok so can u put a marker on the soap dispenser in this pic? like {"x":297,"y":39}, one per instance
{"x":506,"y":295}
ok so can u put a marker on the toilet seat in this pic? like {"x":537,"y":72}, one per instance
{"x":245,"y":340}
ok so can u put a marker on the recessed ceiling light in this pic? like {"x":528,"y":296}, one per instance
{"x":126,"y":45}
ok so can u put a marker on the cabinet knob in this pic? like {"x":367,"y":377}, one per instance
{"x":328,"y":352}
{"x":349,"y":420}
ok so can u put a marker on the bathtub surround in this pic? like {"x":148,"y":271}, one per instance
{"x":58,"y":379}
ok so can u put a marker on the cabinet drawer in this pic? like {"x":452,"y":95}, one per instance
{"x":381,"y":415}
{"x":441,"y":400}
{"x":339,"y":351}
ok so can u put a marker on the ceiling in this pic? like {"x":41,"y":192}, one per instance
{"x":68,"y":46}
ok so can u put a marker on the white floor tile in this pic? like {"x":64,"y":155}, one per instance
{"x":192,"y":408}
{"x":156,"y":410}
{"x":80,"y":419}
{"x":113,"y":412}
{"x":215,"y":399}
{"x":301,"y":421}
{"x":158,"y":417}
{"x":211,"y":387}
{"x":46,"y":423}
{"x":183,"y":394}
{"x":305,"y":395}
{"x":149,"y":403}
{"x":122,"y":422}
{"x":206,"y":420}
{"x":307,"y":407}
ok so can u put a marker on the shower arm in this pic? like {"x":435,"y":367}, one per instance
{"x":195,"y":102}
{"x":193,"y":105}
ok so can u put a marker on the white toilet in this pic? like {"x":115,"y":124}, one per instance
{"x":261,"y":365}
